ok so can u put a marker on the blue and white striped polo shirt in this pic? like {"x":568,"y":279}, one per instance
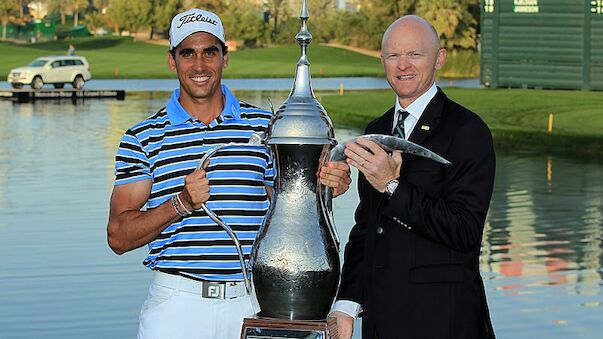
{"x":165,"y":148}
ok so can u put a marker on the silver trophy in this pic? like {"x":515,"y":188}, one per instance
{"x":294,"y":265}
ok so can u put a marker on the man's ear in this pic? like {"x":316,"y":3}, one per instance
{"x":171,"y":62}
{"x":225,"y":61}
{"x":441,"y":58}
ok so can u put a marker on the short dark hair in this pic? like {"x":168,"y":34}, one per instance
{"x":223,"y":45}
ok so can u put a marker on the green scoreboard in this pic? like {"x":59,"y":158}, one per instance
{"x":542,"y":44}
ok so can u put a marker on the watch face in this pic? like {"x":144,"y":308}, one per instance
{"x":391,"y":187}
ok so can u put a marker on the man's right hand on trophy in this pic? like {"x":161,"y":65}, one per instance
{"x":196,"y":189}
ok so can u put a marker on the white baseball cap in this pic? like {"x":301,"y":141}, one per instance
{"x":193,"y":21}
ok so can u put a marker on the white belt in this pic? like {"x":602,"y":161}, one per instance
{"x":206,"y":289}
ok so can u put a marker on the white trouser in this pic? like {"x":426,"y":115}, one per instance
{"x":175,"y":309}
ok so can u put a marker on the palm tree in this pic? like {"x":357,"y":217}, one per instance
{"x":452,"y":20}
{"x":276,"y":8}
{"x":76,"y":6}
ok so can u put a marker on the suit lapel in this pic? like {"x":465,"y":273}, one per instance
{"x":430,"y":119}
{"x":384,"y":125}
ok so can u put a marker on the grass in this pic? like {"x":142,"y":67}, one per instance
{"x":517,"y":117}
{"x":325,"y":61}
{"x":140,"y":60}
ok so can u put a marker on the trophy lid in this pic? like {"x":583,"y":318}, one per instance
{"x":301,"y":119}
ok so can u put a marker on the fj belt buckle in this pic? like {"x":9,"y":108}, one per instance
{"x":214,"y":290}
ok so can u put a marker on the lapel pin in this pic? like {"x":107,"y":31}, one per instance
{"x":425,"y":127}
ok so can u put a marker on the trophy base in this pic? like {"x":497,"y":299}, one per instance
{"x":262,"y":328}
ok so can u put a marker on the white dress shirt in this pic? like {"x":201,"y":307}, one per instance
{"x":415,"y":110}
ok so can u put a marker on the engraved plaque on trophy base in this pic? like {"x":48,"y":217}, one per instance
{"x":264,"y":328}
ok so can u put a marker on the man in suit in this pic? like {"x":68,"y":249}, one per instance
{"x":411,"y":262}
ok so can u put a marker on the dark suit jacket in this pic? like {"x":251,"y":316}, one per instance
{"x":412,"y":260}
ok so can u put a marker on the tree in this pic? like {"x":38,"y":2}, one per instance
{"x":100,"y":5}
{"x":131,"y":15}
{"x":117,"y":15}
{"x":369,"y":23}
{"x":76,"y":6}
{"x":322,"y":22}
{"x":23,"y":4}
{"x":277,"y":8}
{"x":453,"y":21}
{"x":342,"y":26}
{"x":243,"y":21}
{"x":220,"y":7}
{"x":162,"y":14}
{"x":390,"y":9}
{"x":58,"y":6}
{"x":140,"y":15}
{"x":8,"y":8}
{"x":96,"y":18}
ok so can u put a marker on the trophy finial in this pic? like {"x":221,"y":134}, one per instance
{"x":301,"y":119}
{"x":302,"y":86}
{"x":304,"y":11}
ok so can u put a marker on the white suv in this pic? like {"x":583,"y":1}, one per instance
{"x":56,"y":70}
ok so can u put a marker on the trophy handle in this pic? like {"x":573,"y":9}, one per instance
{"x":234,"y":238}
{"x":326,"y":203}
{"x":254,"y":140}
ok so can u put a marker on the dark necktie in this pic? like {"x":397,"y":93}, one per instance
{"x":399,"y":129}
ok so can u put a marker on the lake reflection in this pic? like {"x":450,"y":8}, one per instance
{"x":541,"y":256}
{"x":542,"y":248}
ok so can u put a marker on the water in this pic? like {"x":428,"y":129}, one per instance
{"x":542,"y":252}
{"x":541,"y":257}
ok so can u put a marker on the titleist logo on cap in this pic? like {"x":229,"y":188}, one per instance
{"x":193,"y":21}
{"x":194,"y":17}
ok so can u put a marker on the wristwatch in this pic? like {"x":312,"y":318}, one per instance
{"x":390,"y":187}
